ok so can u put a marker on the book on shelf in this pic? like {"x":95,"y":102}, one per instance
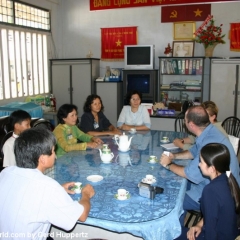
{"x":194,"y":63}
{"x":193,"y":87}
{"x":186,"y":66}
{"x":183,"y":66}
{"x":190,"y":66}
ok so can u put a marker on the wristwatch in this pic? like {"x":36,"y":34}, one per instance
{"x":168,"y":166}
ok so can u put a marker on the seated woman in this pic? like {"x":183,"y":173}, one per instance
{"x":93,"y":121}
{"x":135,"y":115}
{"x":212,"y":111}
{"x":220,"y":201}
{"x":68,"y":135}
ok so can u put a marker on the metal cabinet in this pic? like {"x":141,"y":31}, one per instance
{"x":72,"y":80}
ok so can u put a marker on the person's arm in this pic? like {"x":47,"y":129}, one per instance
{"x":87,"y":194}
{"x":71,"y":144}
{"x":9,"y":156}
{"x":122,"y":118}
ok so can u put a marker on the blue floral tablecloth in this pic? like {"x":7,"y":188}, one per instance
{"x":149,"y":219}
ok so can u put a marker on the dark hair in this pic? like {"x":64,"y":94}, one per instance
{"x":198,"y":115}
{"x":18,"y":116}
{"x":129,"y":96}
{"x":211,"y":107}
{"x":31,"y":144}
{"x":89,"y":101}
{"x":217,"y":155}
{"x":64,"y":110}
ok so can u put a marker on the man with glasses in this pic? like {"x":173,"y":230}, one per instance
{"x":197,"y":122}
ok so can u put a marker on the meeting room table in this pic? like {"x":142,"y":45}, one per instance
{"x":150,"y":219}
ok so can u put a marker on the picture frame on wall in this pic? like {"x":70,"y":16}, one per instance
{"x":184,"y":30}
{"x":183,"y":48}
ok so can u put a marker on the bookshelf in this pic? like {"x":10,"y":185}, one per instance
{"x":181,"y":79}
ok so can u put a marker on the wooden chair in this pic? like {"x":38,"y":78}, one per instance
{"x":42,"y":123}
{"x":193,"y":217}
{"x":232,"y":126}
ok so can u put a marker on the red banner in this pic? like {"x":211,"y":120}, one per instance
{"x":235,"y":37}
{"x":110,"y":4}
{"x":114,"y":40}
{"x":185,"y":13}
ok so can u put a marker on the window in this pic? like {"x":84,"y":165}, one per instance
{"x":24,"y":64}
{"x":22,"y":14}
{"x":23,"y":53}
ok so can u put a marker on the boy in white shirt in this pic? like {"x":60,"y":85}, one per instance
{"x":19,"y":121}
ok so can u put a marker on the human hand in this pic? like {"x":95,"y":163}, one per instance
{"x":166,"y":159}
{"x":193,"y":232}
{"x":92,"y":145}
{"x":88,"y":190}
{"x":97,"y":140}
{"x":178,"y":142}
{"x":67,"y":186}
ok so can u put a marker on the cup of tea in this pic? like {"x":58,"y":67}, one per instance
{"x":150,"y":178}
{"x":77,"y":187}
{"x":132,"y":130}
{"x":152,"y":158}
{"x":122,"y":193}
{"x":165,"y":139}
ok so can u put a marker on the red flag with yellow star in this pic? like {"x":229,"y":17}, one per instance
{"x":198,"y":12}
{"x":114,"y":40}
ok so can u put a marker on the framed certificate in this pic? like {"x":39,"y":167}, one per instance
{"x":184,"y":30}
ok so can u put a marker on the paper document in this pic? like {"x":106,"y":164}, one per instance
{"x":169,"y":146}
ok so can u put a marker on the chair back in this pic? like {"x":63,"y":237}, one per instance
{"x":42,"y":123}
{"x":5,"y":138}
{"x":232,"y":126}
{"x":179,"y":125}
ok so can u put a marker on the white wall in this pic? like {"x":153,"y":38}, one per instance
{"x":79,"y":29}
{"x":76,"y":29}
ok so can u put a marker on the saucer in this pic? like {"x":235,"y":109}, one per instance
{"x":151,"y":161}
{"x":164,"y":141}
{"x":124,"y":151}
{"x":95,"y":178}
{"x":122,"y":199}
{"x":145,"y":181}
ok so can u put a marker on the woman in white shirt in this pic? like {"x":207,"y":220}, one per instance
{"x":134,"y":115}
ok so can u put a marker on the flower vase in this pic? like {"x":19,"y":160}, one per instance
{"x":209,"y":50}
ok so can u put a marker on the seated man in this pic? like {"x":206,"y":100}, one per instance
{"x":30,"y":201}
{"x":197,"y":122}
{"x":19,"y":121}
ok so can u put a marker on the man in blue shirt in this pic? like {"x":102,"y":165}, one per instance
{"x":197,"y":122}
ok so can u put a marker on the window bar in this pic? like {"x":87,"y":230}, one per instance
{"x":12,"y":56}
{"x":23,"y":53}
{"x":2,"y":93}
{"x":18,"y":65}
{"x":45,"y":65}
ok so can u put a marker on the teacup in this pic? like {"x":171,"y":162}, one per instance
{"x":152,"y":158}
{"x":132,"y":130}
{"x":78,"y":187}
{"x":165,"y":139}
{"x":122,"y":193}
{"x":150,"y":178}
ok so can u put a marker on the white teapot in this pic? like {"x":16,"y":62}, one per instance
{"x":106,"y":155}
{"x":123,"y":143}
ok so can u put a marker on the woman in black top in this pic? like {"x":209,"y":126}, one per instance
{"x":93,"y":121}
